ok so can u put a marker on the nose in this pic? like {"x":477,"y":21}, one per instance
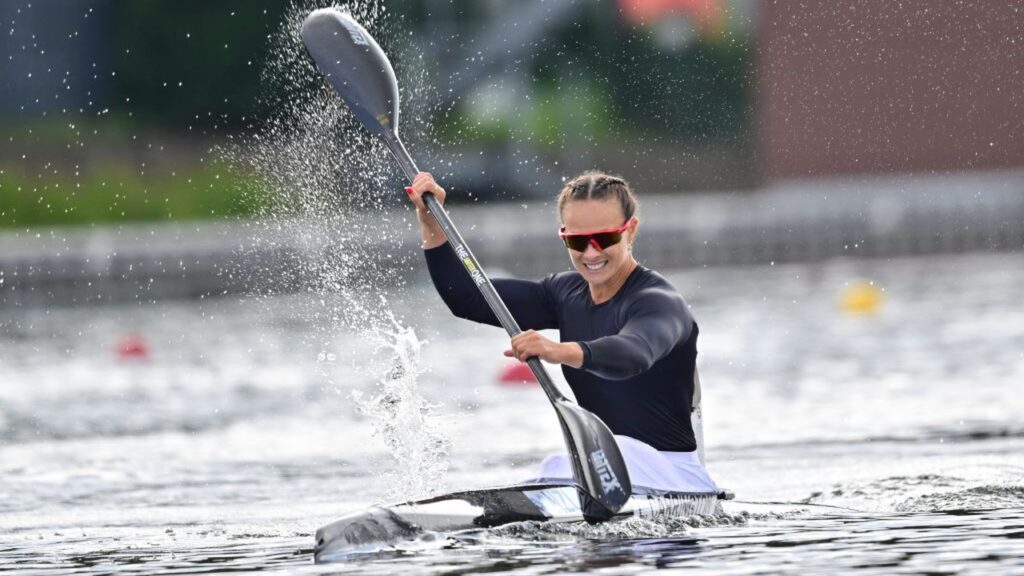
{"x":593,"y":249}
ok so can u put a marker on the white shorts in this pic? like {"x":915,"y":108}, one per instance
{"x":648,"y":468}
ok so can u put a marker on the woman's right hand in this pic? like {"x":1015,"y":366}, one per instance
{"x":430,"y":231}
{"x":424,"y":182}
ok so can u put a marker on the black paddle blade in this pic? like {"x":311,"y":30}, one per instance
{"x":597,"y":462}
{"x":355,"y":66}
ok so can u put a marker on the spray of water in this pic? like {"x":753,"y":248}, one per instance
{"x":404,"y":419}
{"x":324,"y":182}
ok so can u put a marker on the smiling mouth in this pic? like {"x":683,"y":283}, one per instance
{"x":594,"y":266}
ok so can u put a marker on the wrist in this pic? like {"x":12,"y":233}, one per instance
{"x":430,"y":232}
{"x":571,"y":354}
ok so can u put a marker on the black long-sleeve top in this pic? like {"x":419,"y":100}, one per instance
{"x":639,"y":348}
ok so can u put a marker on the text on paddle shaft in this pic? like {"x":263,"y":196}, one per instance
{"x":474,"y":272}
{"x":605,"y":474}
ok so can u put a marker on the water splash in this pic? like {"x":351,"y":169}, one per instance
{"x":323,"y":179}
{"x":404,"y":420}
{"x":323,"y":183}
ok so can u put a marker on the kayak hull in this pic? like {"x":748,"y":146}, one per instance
{"x":381,"y":526}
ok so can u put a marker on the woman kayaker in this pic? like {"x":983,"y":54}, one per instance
{"x":627,"y":339}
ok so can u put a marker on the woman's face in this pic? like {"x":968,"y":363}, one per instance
{"x":599,"y":266}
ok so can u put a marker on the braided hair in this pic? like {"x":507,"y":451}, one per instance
{"x":594,"y":185}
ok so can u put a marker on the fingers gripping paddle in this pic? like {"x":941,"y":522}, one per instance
{"x":356,"y":67}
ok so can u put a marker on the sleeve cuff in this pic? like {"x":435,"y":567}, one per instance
{"x":435,"y":249}
{"x":586,"y":354}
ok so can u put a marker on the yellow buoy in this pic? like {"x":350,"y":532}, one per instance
{"x":861,"y":298}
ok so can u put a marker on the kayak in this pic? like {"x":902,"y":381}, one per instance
{"x":382,"y":526}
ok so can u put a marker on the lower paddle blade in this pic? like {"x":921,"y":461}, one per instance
{"x":597,"y":462}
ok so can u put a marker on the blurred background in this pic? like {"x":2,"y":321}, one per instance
{"x":757,"y":131}
{"x":217,"y":332}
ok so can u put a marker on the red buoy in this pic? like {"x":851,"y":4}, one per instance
{"x":516,"y":373}
{"x":132,"y":347}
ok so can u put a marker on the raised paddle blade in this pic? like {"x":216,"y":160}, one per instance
{"x":355,"y":66}
{"x":597,"y":462}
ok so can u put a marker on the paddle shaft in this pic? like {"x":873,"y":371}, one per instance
{"x":473,"y":268}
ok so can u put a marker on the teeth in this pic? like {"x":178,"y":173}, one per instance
{"x":595,"y":266}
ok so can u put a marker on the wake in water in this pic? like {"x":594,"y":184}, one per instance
{"x":992,"y":488}
{"x":624,"y":529}
{"x":323,"y":182}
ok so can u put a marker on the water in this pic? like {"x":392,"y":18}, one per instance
{"x":886,"y":443}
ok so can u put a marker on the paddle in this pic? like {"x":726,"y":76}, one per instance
{"x":357,"y":68}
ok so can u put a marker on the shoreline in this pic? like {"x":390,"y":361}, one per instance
{"x":796,"y":221}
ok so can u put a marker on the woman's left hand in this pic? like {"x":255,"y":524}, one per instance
{"x":532,"y":343}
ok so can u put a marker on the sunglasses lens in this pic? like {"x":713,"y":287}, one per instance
{"x":577,"y":243}
{"x":606,"y":239}
{"x":580,"y":242}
